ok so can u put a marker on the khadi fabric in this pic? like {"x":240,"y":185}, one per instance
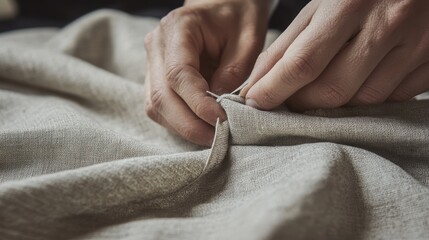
{"x":79,"y":159}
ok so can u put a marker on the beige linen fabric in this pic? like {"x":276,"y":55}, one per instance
{"x":80,"y":160}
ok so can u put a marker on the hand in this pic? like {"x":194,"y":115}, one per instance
{"x":354,"y":52}
{"x":204,"y":45}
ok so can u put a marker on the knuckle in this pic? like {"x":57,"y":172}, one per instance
{"x":200,"y":108}
{"x":156,"y":99}
{"x":174,"y":74}
{"x":178,"y":14}
{"x":166,"y":21}
{"x":151,"y":112}
{"x":332,"y":95}
{"x":298,"y":70}
{"x":369,"y":95}
{"x":393,"y":24}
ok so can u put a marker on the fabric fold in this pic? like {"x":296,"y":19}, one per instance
{"x":79,"y":158}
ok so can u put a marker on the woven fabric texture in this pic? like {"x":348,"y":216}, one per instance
{"x":80,"y":160}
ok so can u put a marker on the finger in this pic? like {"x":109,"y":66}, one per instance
{"x":165,"y":107}
{"x":303,"y":61}
{"x":182,"y":72}
{"x":267,"y":59}
{"x":183,"y":120}
{"x":345,"y":74}
{"x":168,"y":110}
{"x":385,"y":78}
{"x":237,"y":61}
{"x":414,"y":84}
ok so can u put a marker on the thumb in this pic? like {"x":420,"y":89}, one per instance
{"x":236,"y":63}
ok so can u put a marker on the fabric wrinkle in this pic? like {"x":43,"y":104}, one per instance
{"x":79,"y":158}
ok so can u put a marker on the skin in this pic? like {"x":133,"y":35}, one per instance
{"x":205,"y":45}
{"x":335,"y":53}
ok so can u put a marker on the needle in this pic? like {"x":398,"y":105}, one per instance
{"x":212,"y":94}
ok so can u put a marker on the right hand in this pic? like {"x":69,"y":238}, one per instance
{"x":204,"y":45}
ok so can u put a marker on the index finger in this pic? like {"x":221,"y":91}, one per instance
{"x":182,"y":61}
{"x":303,"y":61}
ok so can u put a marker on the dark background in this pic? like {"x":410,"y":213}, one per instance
{"x":58,"y":13}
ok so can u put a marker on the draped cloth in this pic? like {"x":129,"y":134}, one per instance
{"x":79,"y":159}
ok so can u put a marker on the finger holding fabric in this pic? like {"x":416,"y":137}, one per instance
{"x":203,"y":46}
{"x":162,"y":104}
{"x":352,"y":52}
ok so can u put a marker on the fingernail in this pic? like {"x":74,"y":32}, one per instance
{"x":252,"y":103}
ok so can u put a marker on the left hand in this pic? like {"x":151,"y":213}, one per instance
{"x":354,"y":52}
{"x":204,"y":45}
